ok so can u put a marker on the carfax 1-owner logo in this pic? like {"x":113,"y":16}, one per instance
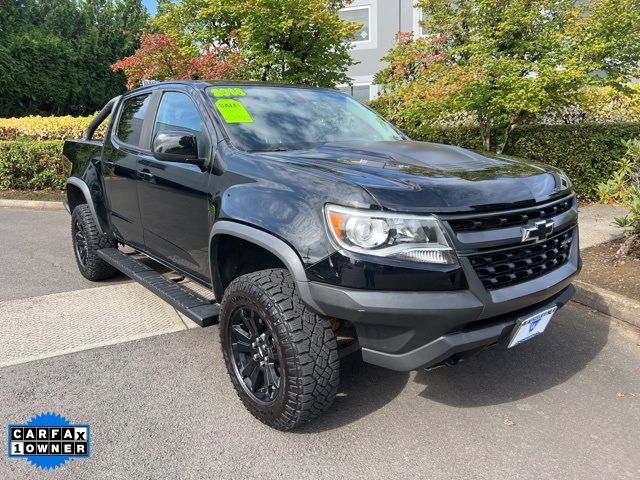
{"x":49,"y":440}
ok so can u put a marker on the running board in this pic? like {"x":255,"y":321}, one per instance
{"x":197,"y":308}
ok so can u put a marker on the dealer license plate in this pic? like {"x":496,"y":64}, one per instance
{"x":530,"y":327}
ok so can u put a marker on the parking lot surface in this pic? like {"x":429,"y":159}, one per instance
{"x":564,"y":405}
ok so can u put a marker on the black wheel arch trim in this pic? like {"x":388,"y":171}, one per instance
{"x":76,"y":182}
{"x":271,"y":243}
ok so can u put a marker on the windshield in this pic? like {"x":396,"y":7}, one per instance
{"x":261,"y":118}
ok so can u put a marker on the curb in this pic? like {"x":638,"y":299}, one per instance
{"x":607,"y":302}
{"x":31,"y":204}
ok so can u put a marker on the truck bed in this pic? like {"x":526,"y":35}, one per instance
{"x":80,"y":153}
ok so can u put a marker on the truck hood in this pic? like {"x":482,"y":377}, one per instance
{"x":421,"y":176}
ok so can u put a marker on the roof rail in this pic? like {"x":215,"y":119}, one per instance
{"x":95,"y":123}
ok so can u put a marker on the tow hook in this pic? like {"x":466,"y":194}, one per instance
{"x":449,"y":362}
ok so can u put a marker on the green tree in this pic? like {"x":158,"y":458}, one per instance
{"x":295,"y":41}
{"x":513,"y":60}
{"x":55,"y":55}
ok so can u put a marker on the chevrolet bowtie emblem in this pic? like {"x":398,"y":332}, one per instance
{"x":538,"y":230}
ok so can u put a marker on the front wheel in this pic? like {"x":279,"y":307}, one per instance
{"x":282,"y":358}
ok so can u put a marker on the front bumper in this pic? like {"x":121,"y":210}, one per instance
{"x":468,"y":339}
{"x":405,"y":330}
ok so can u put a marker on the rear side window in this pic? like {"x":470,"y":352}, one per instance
{"x":177,"y":112}
{"x":131,"y":119}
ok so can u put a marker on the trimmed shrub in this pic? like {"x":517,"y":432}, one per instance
{"x":46,"y":128}
{"x":32,"y":165}
{"x":586,"y":152}
{"x":624,"y":188}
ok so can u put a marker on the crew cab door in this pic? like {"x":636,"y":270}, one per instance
{"x":122,"y":149}
{"x":173,"y":196}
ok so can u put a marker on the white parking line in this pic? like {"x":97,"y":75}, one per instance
{"x":61,"y":323}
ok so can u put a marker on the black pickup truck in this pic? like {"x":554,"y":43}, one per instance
{"x":318,"y":227}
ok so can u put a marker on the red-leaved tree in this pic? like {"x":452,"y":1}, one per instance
{"x":159,"y":57}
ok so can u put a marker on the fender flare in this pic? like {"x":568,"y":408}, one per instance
{"x":273,"y":244}
{"x":76,"y":182}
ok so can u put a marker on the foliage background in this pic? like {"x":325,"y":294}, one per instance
{"x":292,"y":41}
{"x":32,"y":165}
{"x":30,"y":149}
{"x":55,"y":55}
{"x":47,"y":128}
{"x":502,"y":64}
{"x":624,"y":188}
{"x":586,"y":152}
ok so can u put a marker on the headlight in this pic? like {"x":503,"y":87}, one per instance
{"x":406,"y":237}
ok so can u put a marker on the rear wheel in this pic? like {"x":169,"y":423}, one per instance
{"x":87,"y":240}
{"x":281,"y":357}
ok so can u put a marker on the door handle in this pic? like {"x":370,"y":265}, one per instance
{"x":147,"y":176}
{"x":109,"y":164}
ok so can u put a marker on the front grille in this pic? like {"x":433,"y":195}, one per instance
{"x":511,"y":219}
{"x":513,"y":265}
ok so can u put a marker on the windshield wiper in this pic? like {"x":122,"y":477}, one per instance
{"x":275,"y":149}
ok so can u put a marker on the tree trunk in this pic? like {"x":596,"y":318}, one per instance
{"x":265,"y":72}
{"x":486,"y":142}
{"x":505,"y":139}
{"x":485,"y":134}
{"x":628,"y":244}
{"x":515,"y":121}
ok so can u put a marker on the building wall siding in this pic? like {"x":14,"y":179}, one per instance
{"x":387,"y":18}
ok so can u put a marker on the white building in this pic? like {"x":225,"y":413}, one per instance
{"x":382,"y":20}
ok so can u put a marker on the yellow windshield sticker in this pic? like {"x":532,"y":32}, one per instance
{"x":233,"y":111}
{"x":228,"y":92}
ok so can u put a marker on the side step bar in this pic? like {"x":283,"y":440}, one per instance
{"x":197,"y":308}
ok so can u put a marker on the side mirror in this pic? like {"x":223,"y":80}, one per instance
{"x":176,"y":147}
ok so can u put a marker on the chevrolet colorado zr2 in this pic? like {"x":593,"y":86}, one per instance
{"x":318,"y":228}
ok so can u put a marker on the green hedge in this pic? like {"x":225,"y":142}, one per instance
{"x":585,"y":152}
{"x":32,"y":165}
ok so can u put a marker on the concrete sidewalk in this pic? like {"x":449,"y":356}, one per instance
{"x":60,"y":323}
{"x":597,"y":225}
{"x":47,"y":308}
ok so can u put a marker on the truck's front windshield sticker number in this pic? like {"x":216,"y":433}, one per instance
{"x":233,"y":111}
{"x":228,"y":92}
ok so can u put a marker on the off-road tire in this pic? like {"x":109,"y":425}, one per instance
{"x":93,"y":268}
{"x":309,"y":365}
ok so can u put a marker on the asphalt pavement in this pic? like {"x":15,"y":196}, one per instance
{"x":36,"y":256}
{"x":564,"y":405}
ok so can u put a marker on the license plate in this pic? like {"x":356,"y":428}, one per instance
{"x":530,"y":327}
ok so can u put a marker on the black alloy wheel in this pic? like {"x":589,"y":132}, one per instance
{"x":255,"y":353}
{"x":81,"y":246}
{"x":281,"y":357}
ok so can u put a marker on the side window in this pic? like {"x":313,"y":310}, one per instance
{"x":131,"y":119}
{"x":177,"y":112}
{"x":361,"y":15}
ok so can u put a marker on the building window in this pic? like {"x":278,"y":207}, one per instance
{"x":361,"y":92}
{"x":418,"y":16}
{"x":360,"y":15}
